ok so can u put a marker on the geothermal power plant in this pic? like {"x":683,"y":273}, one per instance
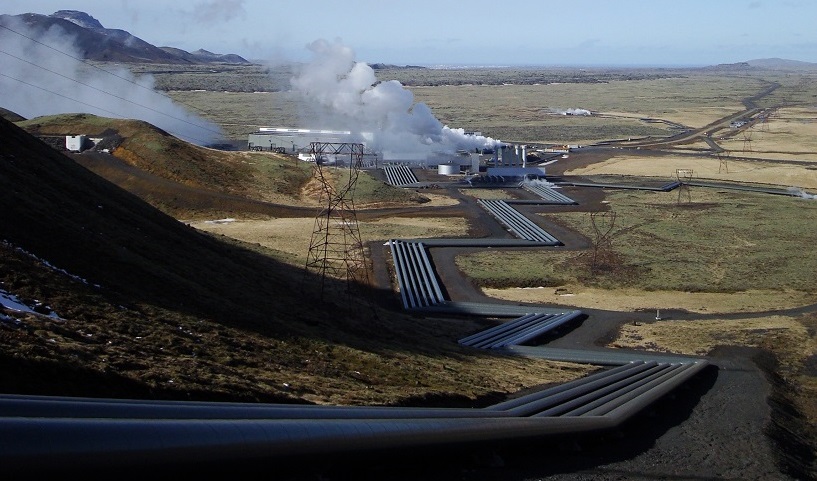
{"x":498,"y":159}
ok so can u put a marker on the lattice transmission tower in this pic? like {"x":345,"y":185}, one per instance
{"x":747,"y":140}
{"x":336,"y":250}
{"x":684,"y":176}
{"x":723,"y":158}
{"x":603,"y":223}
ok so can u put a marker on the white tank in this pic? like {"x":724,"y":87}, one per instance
{"x":448,"y":169}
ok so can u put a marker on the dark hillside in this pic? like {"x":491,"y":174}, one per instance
{"x":83,"y":224}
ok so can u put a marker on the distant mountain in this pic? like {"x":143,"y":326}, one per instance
{"x":388,"y":66}
{"x":730,"y":67}
{"x":203,"y":56}
{"x":782,"y":64}
{"x":766,"y":64}
{"x":112,"y":45}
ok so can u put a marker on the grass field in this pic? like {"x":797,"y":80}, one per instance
{"x":724,"y":251}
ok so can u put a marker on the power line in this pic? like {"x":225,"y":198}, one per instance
{"x":103,"y":91}
{"x":109,"y":93}
{"x":202,"y":141}
{"x":60,"y":95}
{"x":82,"y":60}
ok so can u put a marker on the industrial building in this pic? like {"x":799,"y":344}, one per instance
{"x":504,"y":160}
{"x":293,"y":141}
{"x":296,"y":141}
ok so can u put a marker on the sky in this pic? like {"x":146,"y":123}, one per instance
{"x":471,"y":33}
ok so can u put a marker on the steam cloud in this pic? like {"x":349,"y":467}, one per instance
{"x":540,"y":183}
{"x":572,"y":111}
{"x":797,"y":191}
{"x":41,"y":76}
{"x":342,"y":93}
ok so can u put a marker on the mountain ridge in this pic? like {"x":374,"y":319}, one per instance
{"x":95,"y":42}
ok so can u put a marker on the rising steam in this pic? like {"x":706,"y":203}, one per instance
{"x":342,"y":93}
{"x":571,"y":111}
{"x":797,"y":191}
{"x":42,"y":76}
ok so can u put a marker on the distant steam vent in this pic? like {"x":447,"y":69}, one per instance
{"x":571,"y":111}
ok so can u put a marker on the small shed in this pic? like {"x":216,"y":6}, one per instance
{"x":75,"y":143}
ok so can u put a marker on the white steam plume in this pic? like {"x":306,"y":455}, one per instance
{"x":797,"y":191}
{"x":540,"y":183}
{"x":572,"y":111}
{"x":343,"y":93}
{"x":42,"y":75}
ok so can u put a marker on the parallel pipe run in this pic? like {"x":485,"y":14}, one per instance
{"x":498,"y":331}
{"x":613,"y":397}
{"x":636,"y":405}
{"x":403,"y":175}
{"x":519,"y":334}
{"x":634,"y":393}
{"x":399,"y":175}
{"x":53,"y":433}
{"x":538,"y":402}
{"x":514,"y":221}
{"x":47,"y":407}
{"x":38,"y":433}
{"x":518,"y":331}
{"x":529,"y":398}
{"x":400,"y":273}
{"x":547,"y":323}
{"x":429,"y":274}
{"x":415,"y":275}
{"x":598,"y":397}
{"x":31,"y":444}
{"x":549,"y":194}
{"x":407,"y":276}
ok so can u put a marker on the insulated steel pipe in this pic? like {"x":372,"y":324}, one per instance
{"x":32,"y":444}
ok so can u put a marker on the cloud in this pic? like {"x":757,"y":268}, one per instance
{"x":219,"y":11}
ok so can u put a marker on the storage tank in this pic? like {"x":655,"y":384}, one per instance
{"x":448,"y":169}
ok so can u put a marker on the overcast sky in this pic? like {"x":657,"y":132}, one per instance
{"x":471,"y":32}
